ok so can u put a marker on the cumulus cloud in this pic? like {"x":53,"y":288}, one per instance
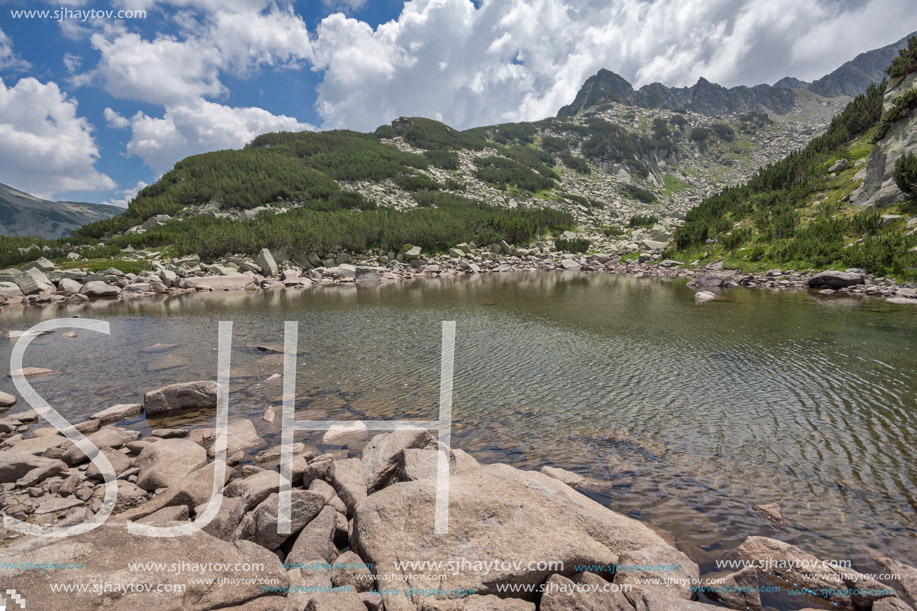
{"x":200,"y":126}
{"x":8,"y":59}
{"x":124,"y":196}
{"x":115,"y":119}
{"x":503,"y":60}
{"x":348,"y":6}
{"x":45,"y":146}
{"x":172,"y":69}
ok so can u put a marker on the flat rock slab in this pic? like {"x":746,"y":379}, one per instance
{"x":230,"y":282}
{"x":106,"y":552}
{"x":118,"y":412}
{"x":494,"y":512}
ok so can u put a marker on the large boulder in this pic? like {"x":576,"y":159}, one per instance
{"x":240,"y":435}
{"x":176,"y":397}
{"x":192,"y":491}
{"x":167,"y":462}
{"x":664,"y":564}
{"x":316,"y":540}
{"x":588,"y":593}
{"x":105,"y":554}
{"x":384,"y":454}
{"x":836,"y":280}
{"x":33,"y":281}
{"x":801,"y":568}
{"x":118,"y":412}
{"x":14,"y":465}
{"x":229,"y":282}
{"x":265,"y":261}
{"x":494,"y":512}
{"x":260,"y":525}
{"x":99,"y":289}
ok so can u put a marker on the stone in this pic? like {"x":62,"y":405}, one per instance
{"x":892,"y":604}
{"x":345,"y":434}
{"x":792,"y":564}
{"x":36,"y":476}
{"x":118,"y":460}
{"x":908,"y":580}
{"x":254,"y":488}
{"x":569,"y":265}
{"x":316,"y":539}
{"x":657,"y":555}
{"x":15,"y":465}
{"x":349,"y":569}
{"x":176,"y":397}
{"x":771,"y":511}
{"x":7,"y":400}
{"x":240,"y":435}
{"x":39,"y":445}
{"x":227,"y":519}
{"x":476,"y":603}
{"x":348,"y":479}
{"x":28,"y":372}
{"x":260,"y":525}
{"x":167,"y":462}
{"x":412,"y":253}
{"x":165,"y":515}
{"x":265,"y":260}
{"x":422,"y":464}
{"x":494,"y":512}
{"x":562,"y":594}
{"x":69,"y":287}
{"x":109,"y":436}
{"x":193,"y":490}
{"x":108,"y":549}
{"x":835,"y":280}
{"x":169,"y":433}
{"x":33,"y":281}
{"x":122,"y":411}
{"x":383,"y":455}
{"x":739,"y":590}
{"x":704,"y":296}
{"x":229,"y":282}
{"x":562,"y":475}
{"x":55,"y":504}
{"x":96,"y":289}
{"x":839,"y":166}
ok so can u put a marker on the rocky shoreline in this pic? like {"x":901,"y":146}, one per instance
{"x":362,"y":522}
{"x":41,"y":283}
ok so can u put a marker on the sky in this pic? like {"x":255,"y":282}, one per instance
{"x":98,"y":99}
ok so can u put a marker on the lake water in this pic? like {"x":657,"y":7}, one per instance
{"x":689,"y":414}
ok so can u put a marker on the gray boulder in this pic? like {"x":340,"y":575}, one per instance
{"x":384,"y":454}
{"x":494,"y":512}
{"x":260,"y":525}
{"x":177,"y":397}
{"x":835,"y":280}
{"x":593,"y":594}
{"x":15,"y":465}
{"x":167,"y":462}
{"x":99,"y":289}
{"x":265,"y":260}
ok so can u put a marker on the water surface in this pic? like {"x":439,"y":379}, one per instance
{"x":688,"y":414}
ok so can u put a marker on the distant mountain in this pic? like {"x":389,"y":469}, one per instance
{"x":23,"y":214}
{"x":710,"y":99}
{"x":855,"y":76}
{"x":704,"y":97}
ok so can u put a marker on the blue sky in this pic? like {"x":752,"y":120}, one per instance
{"x":91,"y":109}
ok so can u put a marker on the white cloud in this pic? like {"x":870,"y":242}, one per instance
{"x":126,"y":195}
{"x":176,"y":69}
{"x":8,"y":59}
{"x":45,"y":147}
{"x":198,"y":127}
{"x":504,"y":60}
{"x":348,"y":6}
{"x":115,"y":119}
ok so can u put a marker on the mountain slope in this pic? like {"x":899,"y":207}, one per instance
{"x":836,"y":203}
{"x":22,"y":214}
{"x":853,"y":77}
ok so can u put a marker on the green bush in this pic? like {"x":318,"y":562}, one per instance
{"x":700,"y":134}
{"x":723,"y":132}
{"x":416,"y":182}
{"x":678,"y":121}
{"x":640,"y":194}
{"x":906,"y":62}
{"x":577,"y":164}
{"x":501,"y":173}
{"x":906,"y":174}
{"x":576,"y":245}
{"x":902,"y":107}
{"x":642,"y":221}
{"x":446,"y":160}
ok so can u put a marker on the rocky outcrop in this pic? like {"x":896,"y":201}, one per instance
{"x":177,"y":397}
{"x":836,"y":280}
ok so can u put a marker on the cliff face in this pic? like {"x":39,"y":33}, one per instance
{"x":879,"y":186}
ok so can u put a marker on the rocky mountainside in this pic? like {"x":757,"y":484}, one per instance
{"x":706,"y":98}
{"x":22,"y":214}
{"x":855,"y":76}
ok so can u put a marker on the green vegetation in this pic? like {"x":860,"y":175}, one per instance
{"x":903,"y":107}
{"x":638,"y":193}
{"x":417,"y":182}
{"x":577,"y":164}
{"x":906,"y":62}
{"x":576,"y":245}
{"x":794,"y":214}
{"x":642,"y":221}
{"x":447,"y":160}
{"x":673,"y":184}
{"x":678,"y":121}
{"x":700,"y":134}
{"x":723,"y":132}
{"x":906,"y":174}
{"x":612,"y":231}
{"x":501,"y":173}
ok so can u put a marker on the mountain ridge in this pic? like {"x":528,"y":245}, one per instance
{"x":23,"y":214}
